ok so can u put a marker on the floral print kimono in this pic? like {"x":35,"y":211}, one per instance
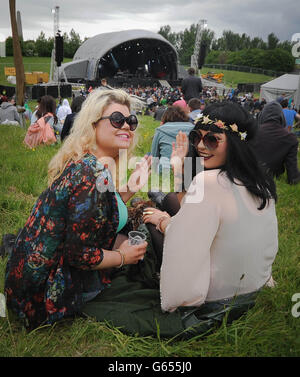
{"x":49,"y":274}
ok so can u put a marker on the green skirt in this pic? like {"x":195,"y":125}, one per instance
{"x":132,"y":303}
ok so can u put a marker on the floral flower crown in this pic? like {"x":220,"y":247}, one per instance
{"x":220,"y":124}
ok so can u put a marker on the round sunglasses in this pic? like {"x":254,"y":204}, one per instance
{"x":210,"y":141}
{"x":117,"y":120}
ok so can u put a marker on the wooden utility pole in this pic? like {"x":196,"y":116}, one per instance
{"x":18,"y":59}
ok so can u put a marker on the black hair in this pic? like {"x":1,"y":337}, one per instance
{"x":77,"y":103}
{"x":284,"y":103}
{"x":241,"y":163}
{"x":47,"y":104}
{"x":194,"y":103}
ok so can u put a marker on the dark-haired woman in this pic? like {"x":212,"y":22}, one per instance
{"x":223,"y":240}
{"x":47,"y":108}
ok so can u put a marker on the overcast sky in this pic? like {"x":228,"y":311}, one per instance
{"x":92,"y":17}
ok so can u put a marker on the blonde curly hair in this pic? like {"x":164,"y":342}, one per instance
{"x":82,"y":138}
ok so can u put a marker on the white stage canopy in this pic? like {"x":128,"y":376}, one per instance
{"x":287,"y":85}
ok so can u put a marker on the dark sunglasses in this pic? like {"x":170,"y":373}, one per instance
{"x":210,"y":141}
{"x":117,"y":120}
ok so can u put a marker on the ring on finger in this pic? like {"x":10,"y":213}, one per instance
{"x":148,"y":213}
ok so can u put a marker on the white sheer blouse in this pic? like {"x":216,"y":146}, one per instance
{"x":218,"y":245}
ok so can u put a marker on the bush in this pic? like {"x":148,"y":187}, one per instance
{"x":278,"y":59}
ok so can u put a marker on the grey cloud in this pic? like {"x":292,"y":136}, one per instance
{"x":255,"y":18}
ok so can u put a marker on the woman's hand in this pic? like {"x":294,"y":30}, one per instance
{"x":180,"y":148}
{"x":153,"y":215}
{"x":137,"y":180}
{"x":139,"y":177}
{"x":133,"y":253}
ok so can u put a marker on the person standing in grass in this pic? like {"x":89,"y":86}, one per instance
{"x":289,"y":114}
{"x":275,"y":145}
{"x":64,"y":255}
{"x":191,"y":86}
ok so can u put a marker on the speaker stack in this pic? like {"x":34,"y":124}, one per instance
{"x":59,"y":50}
{"x":38,"y":91}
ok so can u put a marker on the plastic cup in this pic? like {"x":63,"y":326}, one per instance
{"x":136,"y":238}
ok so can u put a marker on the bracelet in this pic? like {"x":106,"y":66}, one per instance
{"x":122,"y":258}
{"x":158,"y":226}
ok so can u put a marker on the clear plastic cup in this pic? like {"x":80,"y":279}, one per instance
{"x":136,"y":238}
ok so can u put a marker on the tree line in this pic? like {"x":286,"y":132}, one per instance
{"x":43,"y":46}
{"x":233,"y":48}
{"x":230,"y":48}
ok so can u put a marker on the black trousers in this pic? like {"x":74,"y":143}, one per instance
{"x":132,"y":302}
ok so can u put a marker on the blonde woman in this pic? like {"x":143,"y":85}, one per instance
{"x":63,"y":256}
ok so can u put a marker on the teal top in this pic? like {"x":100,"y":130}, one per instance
{"x":123,"y":213}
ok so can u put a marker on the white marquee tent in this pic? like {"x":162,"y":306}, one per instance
{"x":287,"y":85}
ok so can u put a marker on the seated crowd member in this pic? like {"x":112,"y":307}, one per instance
{"x":8,"y":112}
{"x":194,"y":105}
{"x":44,"y":127}
{"x":68,"y":123}
{"x":275,"y":145}
{"x":159,"y":111}
{"x":63,"y":256}
{"x":182,"y":104}
{"x":173,"y":120}
{"x":62,"y":112}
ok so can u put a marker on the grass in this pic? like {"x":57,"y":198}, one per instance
{"x":31,"y":64}
{"x":232,"y":78}
{"x":268,"y":329}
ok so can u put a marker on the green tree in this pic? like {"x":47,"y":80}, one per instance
{"x":285,"y":45}
{"x":207,"y":38}
{"x":170,"y":36}
{"x":272,"y":41}
{"x":231,"y":41}
{"x":257,"y":42}
{"x":29,"y":48}
{"x":9,"y":46}
{"x":279,"y":60}
{"x":71,"y":43}
{"x":187,"y":44}
{"x":44,"y":46}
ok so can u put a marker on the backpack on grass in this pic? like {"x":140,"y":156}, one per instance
{"x":40,"y":132}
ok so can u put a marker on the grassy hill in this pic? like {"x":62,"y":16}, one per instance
{"x":232,"y":78}
{"x":30,"y":64}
